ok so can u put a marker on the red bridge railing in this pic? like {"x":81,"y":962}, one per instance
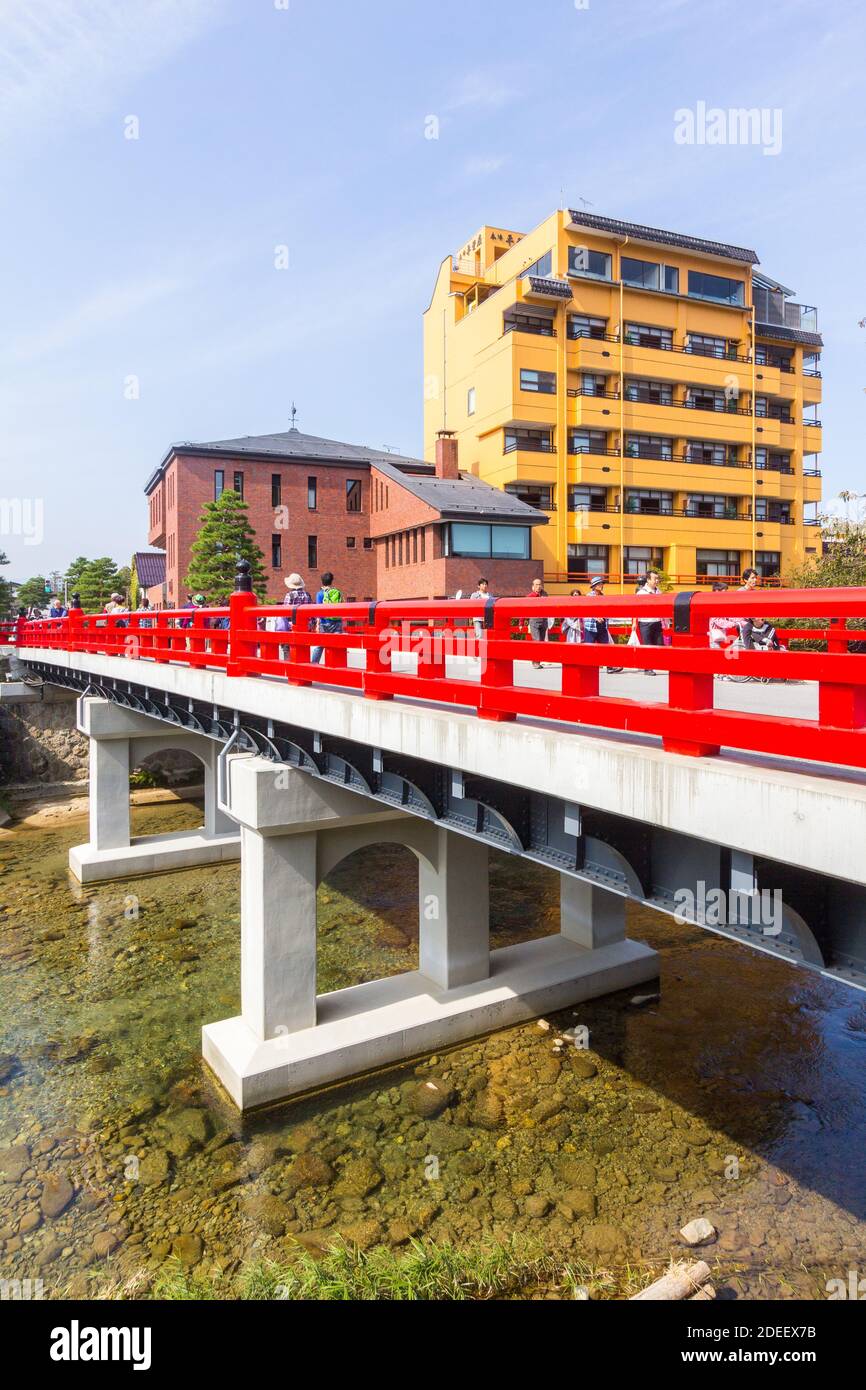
{"x":406,"y":648}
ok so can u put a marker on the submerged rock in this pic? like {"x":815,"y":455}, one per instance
{"x":308,"y":1170}
{"x":429,"y":1098}
{"x":698,"y":1232}
{"x":14,"y":1162}
{"x":57,"y":1193}
{"x":187,"y":1248}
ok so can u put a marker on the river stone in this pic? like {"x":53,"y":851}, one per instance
{"x":57,"y":1193}
{"x":579,"y":1201}
{"x":154,"y":1168}
{"x":698,"y":1232}
{"x":264,"y":1152}
{"x":362,"y":1233}
{"x":576,"y":1172}
{"x":301,"y":1137}
{"x":30,"y":1221}
{"x":8,"y":1067}
{"x":193,"y":1124}
{"x":429,"y":1098}
{"x":537,"y":1206}
{"x":271,"y":1214}
{"x":48,"y":1254}
{"x":447,"y":1139}
{"x":359,"y":1177}
{"x":487,"y":1110}
{"x":14,"y":1162}
{"x":308,"y":1170}
{"x":187,"y":1248}
{"x":581,"y":1066}
{"x":103,"y":1243}
{"x":603,"y":1240}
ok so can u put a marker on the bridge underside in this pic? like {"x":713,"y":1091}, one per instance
{"x":788,"y":907}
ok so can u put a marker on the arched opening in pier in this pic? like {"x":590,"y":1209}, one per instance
{"x":367,"y":917}
{"x":172,"y":779}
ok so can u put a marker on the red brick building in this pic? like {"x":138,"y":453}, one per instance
{"x":385,"y":525}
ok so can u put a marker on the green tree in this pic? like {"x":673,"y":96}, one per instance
{"x":5,"y":590}
{"x":75,"y":571}
{"x":225,"y":536}
{"x":841,"y":564}
{"x":842,"y":561}
{"x":97,"y":582}
{"x":32,"y":591}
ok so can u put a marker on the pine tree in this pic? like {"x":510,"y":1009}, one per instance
{"x":225,"y":536}
{"x":75,"y":571}
{"x":97,"y":582}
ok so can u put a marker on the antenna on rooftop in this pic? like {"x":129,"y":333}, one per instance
{"x":292,"y":425}
{"x":586,"y":203}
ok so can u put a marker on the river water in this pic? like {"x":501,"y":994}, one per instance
{"x":739,"y":1095}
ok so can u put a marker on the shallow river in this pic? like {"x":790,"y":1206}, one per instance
{"x":739,"y":1095}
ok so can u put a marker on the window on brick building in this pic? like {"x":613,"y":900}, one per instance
{"x":312,"y":494}
{"x":353,"y":494}
{"x":312,"y":552}
{"x":276,"y":490}
{"x":239,"y":484}
{"x":350,"y":542}
{"x":219,"y":482}
{"x":276,"y":552}
{"x":368,"y":542}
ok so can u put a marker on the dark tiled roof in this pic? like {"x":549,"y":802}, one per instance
{"x":688,"y":243}
{"x":789,"y":335}
{"x":290,"y":444}
{"x":464,"y":497}
{"x":150,"y":567}
{"x":543,"y":284}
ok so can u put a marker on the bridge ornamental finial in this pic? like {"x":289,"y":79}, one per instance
{"x":243,"y":582}
{"x":76,"y":600}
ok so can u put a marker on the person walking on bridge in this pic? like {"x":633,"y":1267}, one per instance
{"x":327,"y":594}
{"x":538,"y":627}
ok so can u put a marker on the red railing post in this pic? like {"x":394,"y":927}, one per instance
{"x":241,"y":649}
{"x":689,"y":691}
{"x":497,"y":672}
{"x":374,"y":642}
{"x":841,"y":706}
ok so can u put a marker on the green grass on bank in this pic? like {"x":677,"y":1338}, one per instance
{"x":421,"y":1271}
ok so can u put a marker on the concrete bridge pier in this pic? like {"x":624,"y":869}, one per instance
{"x":295,"y":830}
{"x":120,"y":739}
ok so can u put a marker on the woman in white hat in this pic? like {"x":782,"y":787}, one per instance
{"x":296,"y":595}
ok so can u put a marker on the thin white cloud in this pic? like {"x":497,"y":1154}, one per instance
{"x":480,"y":88}
{"x":479,"y":165}
{"x":101,"y":309}
{"x":65,"y":61}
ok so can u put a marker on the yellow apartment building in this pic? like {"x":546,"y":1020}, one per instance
{"x":653,"y":392}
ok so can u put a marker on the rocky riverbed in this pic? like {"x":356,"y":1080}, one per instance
{"x":736,"y":1096}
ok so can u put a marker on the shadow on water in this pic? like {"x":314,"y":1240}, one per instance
{"x":737,"y":1095}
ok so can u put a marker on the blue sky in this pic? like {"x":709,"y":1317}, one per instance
{"x":263,"y":123}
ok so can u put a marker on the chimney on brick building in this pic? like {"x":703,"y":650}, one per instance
{"x":446,"y":455}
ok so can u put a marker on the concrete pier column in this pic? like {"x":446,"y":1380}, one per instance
{"x":454,"y":912}
{"x":216,"y":822}
{"x":109,"y":793}
{"x":590,"y":915}
{"x":278,"y":932}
